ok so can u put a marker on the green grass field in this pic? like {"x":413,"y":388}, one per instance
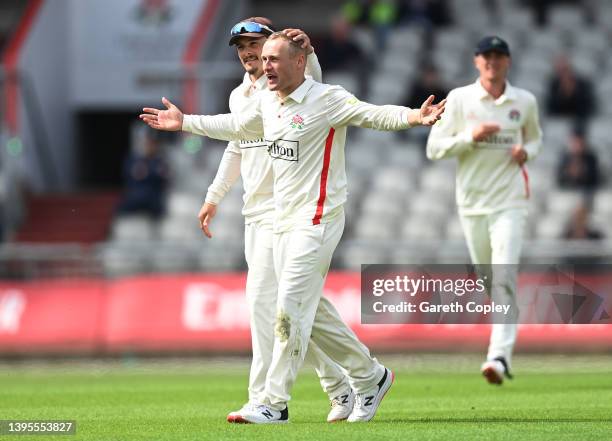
{"x":434,"y":398}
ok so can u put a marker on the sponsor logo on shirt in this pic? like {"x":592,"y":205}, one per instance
{"x":253,"y":143}
{"x":297,"y":122}
{"x":514,"y":115}
{"x":500,"y":140}
{"x":284,"y":149}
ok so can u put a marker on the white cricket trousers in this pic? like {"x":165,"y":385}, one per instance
{"x":261,"y":294}
{"x":497,"y":239}
{"x":302,"y":258}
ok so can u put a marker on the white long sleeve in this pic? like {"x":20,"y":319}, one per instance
{"x":227,"y":174}
{"x":313,"y":68}
{"x":227,"y":126}
{"x":449,"y":137}
{"x":343,"y":109}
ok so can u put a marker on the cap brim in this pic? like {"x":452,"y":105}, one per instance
{"x":248,"y":34}
{"x":492,"y":49}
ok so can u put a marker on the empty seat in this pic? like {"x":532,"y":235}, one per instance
{"x":438,"y":181}
{"x":176,"y":229}
{"x":124,"y":259}
{"x":379,"y":228}
{"x":345,"y":79}
{"x":454,"y":231}
{"x":422,"y":228}
{"x":602,"y":205}
{"x":184,"y":205}
{"x":172,"y":257}
{"x":133,"y":228}
{"x":352,"y":254}
{"x":550,"y":227}
{"x":562,"y":202}
{"x":217,"y":256}
{"x":392,"y":179}
{"x":427,"y":205}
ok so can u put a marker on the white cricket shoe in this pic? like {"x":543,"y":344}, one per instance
{"x":262,"y":414}
{"x":341,"y":406}
{"x":366,"y":404}
{"x":236,"y":415}
{"x":495,"y":370}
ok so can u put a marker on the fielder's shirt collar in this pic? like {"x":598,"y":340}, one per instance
{"x":249,"y":86}
{"x":299,"y":94}
{"x":508,"y":95}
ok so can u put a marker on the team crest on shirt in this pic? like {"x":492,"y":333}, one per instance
{"x":514,"y":115}
{"x":297,"y":122}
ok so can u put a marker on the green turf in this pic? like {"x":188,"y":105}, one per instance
{"x":548,"y":400}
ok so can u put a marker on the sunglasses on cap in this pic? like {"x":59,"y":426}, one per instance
{"x":246,"y":27}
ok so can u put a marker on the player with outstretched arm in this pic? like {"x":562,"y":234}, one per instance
{"x":304,"y":125}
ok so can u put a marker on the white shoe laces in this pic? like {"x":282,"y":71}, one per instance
{"x":358,"y":399}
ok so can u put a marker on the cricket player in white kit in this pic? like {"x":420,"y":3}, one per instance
{"x":492,"y":128}
{"x":250,"y":160}
{"x":304,"y":125}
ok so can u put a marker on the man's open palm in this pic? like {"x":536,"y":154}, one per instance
{"x":430,"y":113}
{"x":170,"y":119}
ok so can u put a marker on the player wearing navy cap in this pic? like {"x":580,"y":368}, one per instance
{"x":492,"y":128}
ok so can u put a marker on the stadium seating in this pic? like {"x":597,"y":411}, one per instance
{"x":401,"y":206}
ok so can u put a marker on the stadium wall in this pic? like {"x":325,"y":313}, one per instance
{"x":208,"y":313}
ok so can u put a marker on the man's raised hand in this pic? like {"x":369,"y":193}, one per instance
{"x":430,"y":113}
{"x":170,"y":119}
{"x":301,"y":36}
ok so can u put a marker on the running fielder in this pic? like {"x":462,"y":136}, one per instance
{"x":304,"y":125}
{"x":492,"y":128}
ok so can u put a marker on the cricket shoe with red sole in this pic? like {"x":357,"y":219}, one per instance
{"x":366,"y":404}
{"x":236,"y":415}
{"x":262,"y":414}
{"x":495,"y":370}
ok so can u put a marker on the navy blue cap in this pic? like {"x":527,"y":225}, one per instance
{"x":492,"y":43}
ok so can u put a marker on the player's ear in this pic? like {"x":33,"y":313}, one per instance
{"x":301,"y":60}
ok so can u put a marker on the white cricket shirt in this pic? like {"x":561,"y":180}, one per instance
{"x":250,"y":158}
{"x":305,"y":134}
{"x":487,"y":179}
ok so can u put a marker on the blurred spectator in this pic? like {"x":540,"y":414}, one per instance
{"x":427,"y":83}
{"x":541,"y":9}
{"x":579,"y":227}
{"x":145,"y":174}
{"x":492,"y":8}
{"x":569,"y":94}
{"x":579,"y":166}
{"x":427,"y":13}
{"x":379,"y":15}
{"x":338,"y":52}
{"x":355,"y":12}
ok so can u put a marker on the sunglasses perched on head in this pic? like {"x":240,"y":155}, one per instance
{"x":245,"y":27}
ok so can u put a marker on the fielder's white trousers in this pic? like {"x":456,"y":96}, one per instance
{"x":302,"y":258}
{"x":497,"y":239}
{"x":261,"y":294}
